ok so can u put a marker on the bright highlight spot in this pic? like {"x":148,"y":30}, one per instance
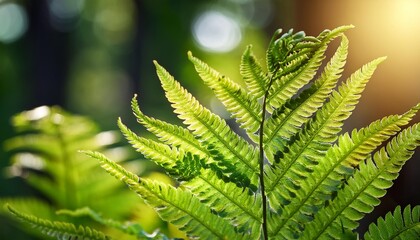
{"x":13,"y":22}
{"x":106,"y":138}
{"x":37,"y":113}
{"x":216,"y":32}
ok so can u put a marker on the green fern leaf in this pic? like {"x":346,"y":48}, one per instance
{"x":162,"y":154}
{"x":176,"y":136}
{"x":287,"y":121}
{"x":312,"y":142}
{"x":240,"y":207}
{"x":399,"y":225}
{"x":208,"y":127}
{"x":173,"y":204}
{"x":368,"y":184}
{"x":300,"y":65}
{"x":243,"y":106}
{"x":204,"y":184}
{"x":127,"y":227}
{"x":255,"y":78}
{"x":60,"y":230}
{"x":333,"y":169}
{"x":45,"y":153}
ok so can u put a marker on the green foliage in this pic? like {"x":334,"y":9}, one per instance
{"x":295,"y":174}
{"x":44,"y":154}
{"x":60,"y":230}
{"x":397,"y":226}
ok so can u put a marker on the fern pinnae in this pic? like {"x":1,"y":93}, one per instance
{"x":174,"y":135}
{"x":288,"y":123}
{"x":253,"y":74}
{"x":161,"y":153}
{"x":398,"y":225}
{"x":271,"y":61}
{"x":174,"y":205}
{"x":243,"y":106}
{"x":207,"y":126}
{"x":60,"y":230}
{"x":158,"y":152}
{"x":240,"y":207}
{"x":366,"y":186}
{"x":209,"y":183}
{"x":317,"y":136}
{"x":288,"y":85}
{"x":307,"y":62}
{"x":337,"y":164}
{"x":186,"y":212}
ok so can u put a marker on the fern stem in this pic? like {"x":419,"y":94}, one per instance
{"x":69,"y":190}
{"x":261,"y":163}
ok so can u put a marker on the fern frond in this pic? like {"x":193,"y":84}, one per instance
{"x":208,"y":127}
{"x":228,"y":200}
{"x":299,"y":67}
{"x":287,"y":121}
{"x":254,"y":76}
{"x":60,"y":230}
{"x":185,"y":211}
{"x":45,"y":154}
{"x":173,"y":204}
{"x":174,"y":135}
{"x":288,"y":85}
{"x":311,"y":143}
{"x":242,"y":105}
{"x":114,"y":169}
{"x":335,"y":167}
{"x":160,"y":153}
{"x":399,"y":225}
{"x":365,"y":187}
{"x":207,"y":183}
{"x":130,"y":228}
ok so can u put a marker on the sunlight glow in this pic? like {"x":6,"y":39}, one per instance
{"x":406,"y":13}
{"x":215,"y":31}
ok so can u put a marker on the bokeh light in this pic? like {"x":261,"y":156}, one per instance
{"x":114,"y":23}
{"x":64,"y":14}
{"x":215,"y":31}
{"x":13,"y":22}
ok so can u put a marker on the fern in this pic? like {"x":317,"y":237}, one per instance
{"x":59,"y":230}
{"x":44,"y":154}
{"x":298,"y":176}
{"x":129,"y":228}
{"x":405,"y":225}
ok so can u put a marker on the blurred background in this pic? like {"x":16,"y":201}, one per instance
{"x":91,"y":57}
